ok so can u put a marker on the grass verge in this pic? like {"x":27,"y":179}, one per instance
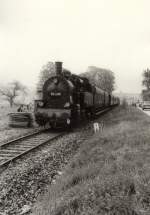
{"x":110,"y":174}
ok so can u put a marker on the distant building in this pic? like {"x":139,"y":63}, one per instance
{"x":129,"y":97}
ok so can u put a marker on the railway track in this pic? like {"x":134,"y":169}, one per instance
{"x":16,"y":148}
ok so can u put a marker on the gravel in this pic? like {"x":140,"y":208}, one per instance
{"x":10,"y":134}
{"x":23,"y":181}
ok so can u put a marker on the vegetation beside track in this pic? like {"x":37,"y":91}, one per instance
{"x":29,"y":176}
{"x":110,"y":174}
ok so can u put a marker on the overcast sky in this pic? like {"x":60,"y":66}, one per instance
{"x":113,"y":34}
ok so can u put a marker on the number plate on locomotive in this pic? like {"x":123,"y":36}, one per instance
{"x":55,"y":94}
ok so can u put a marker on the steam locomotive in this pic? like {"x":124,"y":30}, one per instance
{"x":67,"y":97}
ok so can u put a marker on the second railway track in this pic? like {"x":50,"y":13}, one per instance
{"x":16,"y":148}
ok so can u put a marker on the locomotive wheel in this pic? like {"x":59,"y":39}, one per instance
{"x":52,"y":126}
{"x":90,"y":114}
{"x":40,"y":119}
{"x":40,"y":122}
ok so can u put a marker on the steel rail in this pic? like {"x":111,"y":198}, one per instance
{"x":9,"y":154}
{"x":23,"y":137}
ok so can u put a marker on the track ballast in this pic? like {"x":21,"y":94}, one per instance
{"x":16,"y":148}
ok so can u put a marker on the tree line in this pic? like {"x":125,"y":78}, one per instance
{"x":102,"y":78}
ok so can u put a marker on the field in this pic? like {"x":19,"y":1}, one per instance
{"x":110,"y":174}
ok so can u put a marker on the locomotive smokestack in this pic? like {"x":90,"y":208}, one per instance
{"x":58,"y":67}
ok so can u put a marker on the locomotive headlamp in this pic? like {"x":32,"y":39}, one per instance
{"x":68,"y":121}
{"x":40,"y":104}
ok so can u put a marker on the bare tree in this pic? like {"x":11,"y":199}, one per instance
{"x":146,"y":84}
{"x":101,"y":78}
{"x":12,"y":90}
{"x":146,"y":79}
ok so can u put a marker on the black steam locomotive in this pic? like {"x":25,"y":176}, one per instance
{"x":66,"y":97}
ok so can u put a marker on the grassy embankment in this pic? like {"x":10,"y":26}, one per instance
{"x":110,"y":174}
